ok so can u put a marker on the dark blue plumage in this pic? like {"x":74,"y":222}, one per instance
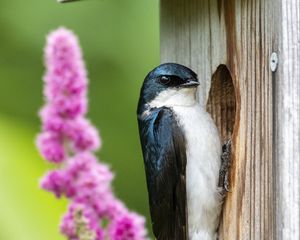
{"x":165,"y":160}
{"x":164,"y":151}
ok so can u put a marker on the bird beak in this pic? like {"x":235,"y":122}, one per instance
{"x":191,"y":83}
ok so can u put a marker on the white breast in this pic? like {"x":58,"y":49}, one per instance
{"x":203,"y":161}
{"x":202,"y":171}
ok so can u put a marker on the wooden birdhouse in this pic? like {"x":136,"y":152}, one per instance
{"x":247,"y":56}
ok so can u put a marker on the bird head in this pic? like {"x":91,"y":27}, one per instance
{"x":169,"y":85}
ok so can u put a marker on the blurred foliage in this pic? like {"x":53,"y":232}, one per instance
{"x":120,"y":42}
{"x":26,"y":211}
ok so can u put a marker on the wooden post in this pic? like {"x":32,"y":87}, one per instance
{"x":287,"y":123}
{"x":242,"y":35}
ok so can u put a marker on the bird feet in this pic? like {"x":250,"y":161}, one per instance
{"x":225,"y":166}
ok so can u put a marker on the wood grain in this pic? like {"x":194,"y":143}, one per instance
{"x":241,"y":35}
{"x":287,"y":123}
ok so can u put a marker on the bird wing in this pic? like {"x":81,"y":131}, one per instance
{"x":164,"y":152}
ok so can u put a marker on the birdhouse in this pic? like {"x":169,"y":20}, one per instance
{"x":247,"y":56}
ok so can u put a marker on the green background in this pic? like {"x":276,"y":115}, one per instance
{"x":120,"y":42}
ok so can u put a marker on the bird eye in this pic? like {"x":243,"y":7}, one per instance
{"x":164,"y":80}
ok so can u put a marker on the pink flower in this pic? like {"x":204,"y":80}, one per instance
{"x":115,"y":208}
{"x":54,"y":182}
{"x":65,"y":77}
{"x":51,"y":147}
{"x":69,"y":138}
{"x":82,"y":178}
{"x":83,"y":135}
{"x":66,"y":74}
{"x":52,"y":122}
{"x":90,"y":178}
{"x":64,"y":124}
{"x":129,"y":226}
{"x":80,"y":220}
{"x":69,"y":106}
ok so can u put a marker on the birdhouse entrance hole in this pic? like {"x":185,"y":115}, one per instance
{"x":221,"y":103}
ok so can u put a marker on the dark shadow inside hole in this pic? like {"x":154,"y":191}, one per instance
{"x":221,"y":103}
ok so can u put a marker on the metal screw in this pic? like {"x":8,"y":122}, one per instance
{"x":273,"y":61}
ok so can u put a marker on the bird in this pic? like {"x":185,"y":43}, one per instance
{"x":182,"y":153}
